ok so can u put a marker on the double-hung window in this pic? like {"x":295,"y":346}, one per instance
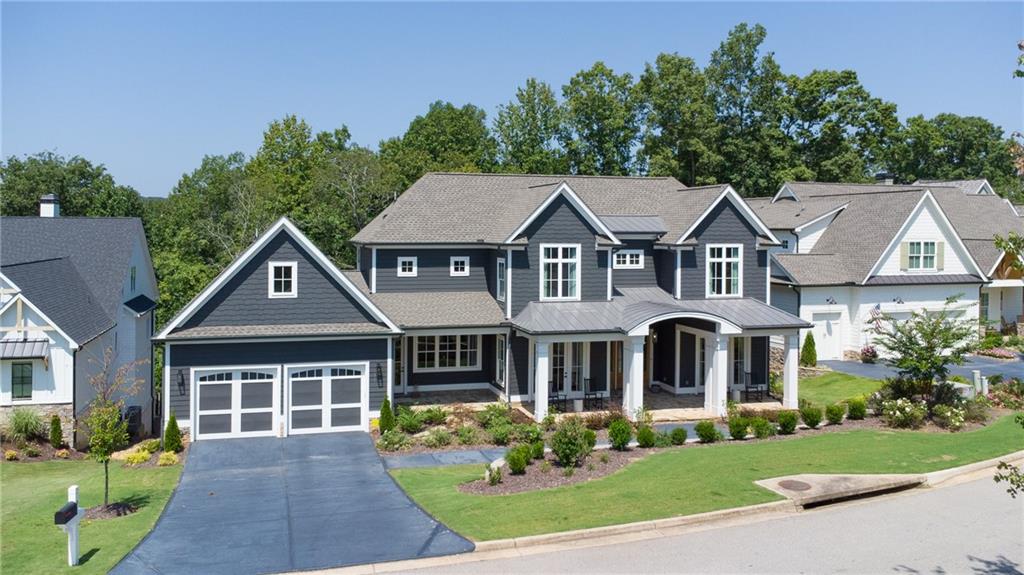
{"x":407,"y":267}
{"x":725,"y":270}
{"x":559,"y":271}
{"x":447,"y":352}
{"x":500,"y":283}
{"x":282,"y":280}
{"x":459,"y":266}
{"x":21,"y":380}
{"x":629,"y":260}
{"x":921,"y":255}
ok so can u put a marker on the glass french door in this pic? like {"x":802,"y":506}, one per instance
{"x":568,"y":361}
{"x":558,"y":367}
{"x":576,"y":366}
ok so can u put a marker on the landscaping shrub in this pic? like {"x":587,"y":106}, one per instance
{"x":738,"y":427}
{"x":548,"y":423}
{"x":526,"y":433}
{"x":517,"y":460}
{"x":467,"y":435}
{"x":662,"y":439}
{"x":951,"y":418}
{"x":762,"y":428}
{"x":945,"y":393}
{"x":811,"y":415}
{"x":387,"y":417}
{"x":707,"y":432}
{"x":438,"y":437}
{"x":56,"y":433}
{"x":615,"y":413}
{"x":868,"y":354}
{"x":434,"y":415}
{"x":172,"y":435}
{"x":976,"y":409}
{"x":904,"y":413}
{"x":590,"y":437}
{"x":393,"y":440}
{"x":501,"y":434}
{"x":678,"y":436}
{"x":595,"y":420}
{"x":787,"y":422}
{"x":409,"y":421}
{"x":167,"y":458}
{"x":62,"y":454}
{"x":645,"y":437}
{"x":493,"y":475}
{"x":834,"y":413}
{"x":1008,"y":394}
{"x":893,"y":388}
{"x":495,"y":414}
{"x":24,"y":424}
{"x":856,"y":408}
{"x":137,"y":457}
{"x":32,"y":451}
{"x":11,"y":455}
{"x":774,"y":384}
{"x":620,"y":432}
{"x":571,"y":442}
{"x":808,"y":354}
{"x":537,"y":449}
{"x":992,"y":339}
{"x":150,"y":445}
{"x":750,"y":413}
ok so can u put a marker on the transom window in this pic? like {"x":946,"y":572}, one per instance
{"x":559,"y":271}
{"x":407,"y":267}
{"x":921,"y":255}
{"x":282,"y":280}
{"x":725,"y":270}
{"x":459,"y":266}
{"x":218,"y":376}
{"x":447,"y":352}
{"x":501,"y":280}
{"x":21,"y":380}
{"x":629,"y":260}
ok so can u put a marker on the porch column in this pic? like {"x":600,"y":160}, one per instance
{"x":633,"y":374}
{"x":790,"y":372}
{"x":717,"y":390}
{"x":540,"y":381}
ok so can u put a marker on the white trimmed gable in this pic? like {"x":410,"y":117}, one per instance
{"x":926,"y":223}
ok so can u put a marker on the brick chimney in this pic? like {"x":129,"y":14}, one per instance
{"x":49,"y":206}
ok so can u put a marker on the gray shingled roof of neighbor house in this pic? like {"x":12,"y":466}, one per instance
{"x":272,"y":330}
{"x":418,"y":310}
{"x":633,"y":306}
{"x":486,"y":208}
{"x":965,"y":186}
{"x":82,"y":295}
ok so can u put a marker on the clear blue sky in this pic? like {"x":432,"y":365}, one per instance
{"x":148,"y":89}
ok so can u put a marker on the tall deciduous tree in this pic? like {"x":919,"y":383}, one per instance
{"x":527,"y":131}
{"x":84,"y":189}
{"x":602,"y":121}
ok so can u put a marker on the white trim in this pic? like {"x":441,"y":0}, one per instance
{"x":730,"y":194}
{"x":563,"y":189}
{"x":678,"y":284}
{"x":784,"y":188}
{"x":14,"y":287}
{"x":452,"y":386}
{"x":437,"y":353}
{"x":403,"y":259}
{"x":72,"y":344}
{"x":508,"y":284}
{"x":578,"y":261}
{"x":725,"y":260}
{"x":950,"y":233}
{"x":727,"y":327}
{"x":391,"y":372}
{"x":294,"y":266}
{"x":921,"y":268}
{"x":373,"y":270}
{"x":611,"y":288}
{"x":995,"y":266}
{"x":166,"y":388}
{"x":1005,"y":283}
{"x":435,"y":246}
{"x":327,"y":406}
{"x":451,"y":266}
{"x":229,"y":272}
{"x":236,"y":402}
{"x":276,"y":339}
{"x":500,"y":283}
{"x":457,"y":331}
{"x":626,"y":265}
{"x":768,"y":279}
{"x":797,"y":229}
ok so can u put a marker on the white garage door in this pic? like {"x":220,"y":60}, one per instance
{"x":237,"y":402}
{"x":327,"y":398}
{"x":827,"y":335}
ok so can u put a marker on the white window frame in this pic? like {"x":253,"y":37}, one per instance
{"x":501,"y":283}
{"x":437,"y":347}
{"x":415,"y":266}
{"x":464,"y":260}
{"x":920,"y":256}
{"x":560,"y":260}
{"x":626,"y":264}
{"x":725,"y":260}
{"x":271,"y":266}
{"x":501,"y":359}
{"x":785,"y":244}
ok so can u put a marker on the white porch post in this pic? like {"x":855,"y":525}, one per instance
{"x":540,"y":381}
{"x":790,"y":372}
{"x":633,"y":371}
{"x":716,"y":390}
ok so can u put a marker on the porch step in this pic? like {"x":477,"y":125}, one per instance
{"x":812,"y":490}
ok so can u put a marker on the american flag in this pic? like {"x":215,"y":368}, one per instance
{"x":876,"y":315}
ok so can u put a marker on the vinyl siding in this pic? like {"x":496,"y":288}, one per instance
{"x":665,"y":270}
{"x":786,"y":299}
{"x":433,"y":270}
{"x":687,"y":359}
{"x":725,"y":225}
{"x":645,"y":277}
{"x":598,"y":366}
{"x":243,"y":299}
{"x":759,"y":360}
{"x":519,"y":367}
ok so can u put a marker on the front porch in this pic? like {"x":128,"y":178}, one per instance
{"x":662,"y":405}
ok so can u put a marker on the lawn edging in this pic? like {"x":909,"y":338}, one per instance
{"x":936,"y":478}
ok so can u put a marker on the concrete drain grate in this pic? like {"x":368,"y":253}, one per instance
{"x":794,"y":485}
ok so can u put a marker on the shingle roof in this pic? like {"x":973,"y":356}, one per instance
{"x":635,"y":224}
{"x":417,"y":310}
{"x":265,"y":330}
{"x":487,"y":208}
{"x":930,"y":279}
{"x":95,"y":252}
{"x":965,"y":186}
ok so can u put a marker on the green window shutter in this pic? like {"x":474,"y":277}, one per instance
{"x":940,"y":253}
{"x":904,"y":257}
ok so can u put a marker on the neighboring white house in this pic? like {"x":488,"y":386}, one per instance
{"x":70,"y":289}
{"x":854,"y":251}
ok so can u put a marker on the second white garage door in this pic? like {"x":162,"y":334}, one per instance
{"x":333,"y":397}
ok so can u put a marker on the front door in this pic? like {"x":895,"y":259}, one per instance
{"x":616,"y":366}
{"x":568,"y":367}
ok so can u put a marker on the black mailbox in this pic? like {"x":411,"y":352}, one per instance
{"x":66,"y":513}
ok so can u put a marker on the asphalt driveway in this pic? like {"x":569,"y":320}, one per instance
{"x":265,"y":505}
{"x":987,"y":365}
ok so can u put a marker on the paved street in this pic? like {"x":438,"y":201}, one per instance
{"x":987,"y":365}
{"x":970,"y":528}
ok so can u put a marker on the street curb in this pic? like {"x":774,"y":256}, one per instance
{"x":936,"y":478}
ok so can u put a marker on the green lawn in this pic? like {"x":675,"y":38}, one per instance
{"x":834,"y":387}
{"x":694,"y":480}
{"x":31,"y":492}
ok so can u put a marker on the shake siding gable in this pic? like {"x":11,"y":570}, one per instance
{"x":433,"y":270}
{"x":725,"y":225}
{"x":243,"y":299}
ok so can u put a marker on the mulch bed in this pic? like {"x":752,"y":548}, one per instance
{"x":46,"y":452}
{"x":541,"y":476}
{"x":116,"y":509}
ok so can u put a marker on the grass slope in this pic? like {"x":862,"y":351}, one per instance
{"x":32,"y":492}
{"x":835,"y":387}
{"x":694,"y":480}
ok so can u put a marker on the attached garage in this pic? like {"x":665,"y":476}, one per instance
{"x":327,"y":398}
{"x":828,"y":335}
{"x":237,"y":402}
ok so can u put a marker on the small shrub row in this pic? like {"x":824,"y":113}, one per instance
{"x":572,"y":442}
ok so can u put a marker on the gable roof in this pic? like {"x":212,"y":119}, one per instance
{"x":972,"y":187}
{"x":86,"y":258}
{"x":283,"y":225}
{"x":563,"y":190}
{"x":728,"y":194}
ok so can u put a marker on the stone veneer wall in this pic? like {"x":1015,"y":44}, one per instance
{"x":46,"y":411}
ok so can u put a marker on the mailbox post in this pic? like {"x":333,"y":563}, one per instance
{"x":67,"y":518}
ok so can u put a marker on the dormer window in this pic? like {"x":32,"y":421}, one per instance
{"x":407,"y":267}
{"x":724,"y":270}
{"x":459,"y":266}
{"x":282,"y":279}
{"x":921,"y":256}
{"x":629,"y":260}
